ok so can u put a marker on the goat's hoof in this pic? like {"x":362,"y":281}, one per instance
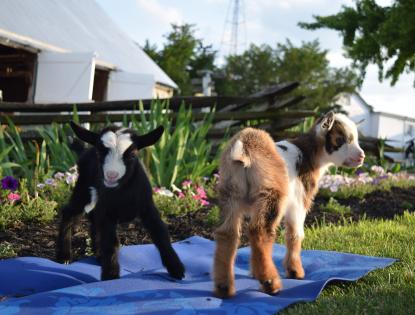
{"x":64,"y":259}
{"x":271,"y":286}
{"x":176,"y":270}
{"x":295,"y":274}
{"x":224,"y":291}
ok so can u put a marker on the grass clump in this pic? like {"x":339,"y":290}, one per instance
{"x":213,"y":216}
{"x":30,"y":209}
{"x":169,"y":206}
{"x":333,"y":206}
{"x":41,"y":207}
{"x":7,"y":250}
{"x":387,"y":291}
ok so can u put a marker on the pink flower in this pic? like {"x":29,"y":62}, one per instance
{"x":13,"y":197}
{"x":196,"y":197}
{"x":180,"y":195}
{"x":204,"y":202}
{"x":201,"y":192}
{"x":186,"y":183}
{"x":156,"y":189}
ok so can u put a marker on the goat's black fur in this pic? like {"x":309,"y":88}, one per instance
{"x":130,"y":199}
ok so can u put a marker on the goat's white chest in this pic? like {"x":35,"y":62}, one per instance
{"x":291,"y":155}
{"x":93,"y":201}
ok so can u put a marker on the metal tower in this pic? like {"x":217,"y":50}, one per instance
{"x":235,"y":22}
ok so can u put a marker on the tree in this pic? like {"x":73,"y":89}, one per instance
{"x":373,"y":34}
{"x":261,"y":66}
{"x":248,"y":72}
{"x":182,"y":56}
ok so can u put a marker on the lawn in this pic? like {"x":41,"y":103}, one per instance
{"x":388,"y":291}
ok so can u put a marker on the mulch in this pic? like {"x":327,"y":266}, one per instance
{"x":39,"y":239}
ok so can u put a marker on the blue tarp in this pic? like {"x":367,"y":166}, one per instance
{"x":46,"y":287}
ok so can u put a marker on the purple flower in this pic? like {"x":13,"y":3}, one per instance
{"x":50,"y":182}
{"x":359,"y":171}
{"x":10,"y":183}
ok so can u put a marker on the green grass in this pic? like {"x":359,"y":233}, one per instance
{"x":7,"y":250}
{"x":213,"y":217}
{"x":333,"y":206}
{"x":387,"y":291}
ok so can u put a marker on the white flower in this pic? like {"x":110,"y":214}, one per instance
{"x":334,"y":188}
{"x":59,"y":175}
{"x":377,"y":169}
{"x":40,"y":186}
{"x":165,"y":192}
{"x":71,"y":179}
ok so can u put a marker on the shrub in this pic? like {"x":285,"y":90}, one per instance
{"x":333,"y":206}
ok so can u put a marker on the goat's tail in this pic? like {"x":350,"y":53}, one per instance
{"x":253,"y":147}
{"x":239,"y":153}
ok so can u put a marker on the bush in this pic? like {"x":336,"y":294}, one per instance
{"x":183,"y":151}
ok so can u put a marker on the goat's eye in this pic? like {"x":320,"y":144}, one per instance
{"x":130,"y":155}
{"x":340,"y":141}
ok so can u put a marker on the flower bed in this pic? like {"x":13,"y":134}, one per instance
{"x":362,"y":183}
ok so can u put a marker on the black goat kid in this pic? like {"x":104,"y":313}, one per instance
{"x":113,"y":188}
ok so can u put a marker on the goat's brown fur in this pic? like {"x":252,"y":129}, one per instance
{"x":258,"y":181}
{"x":258,"y":191}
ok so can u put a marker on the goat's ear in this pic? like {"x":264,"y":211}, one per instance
{"x":84,"y":134}
{"x":148,"y":139}
{"x":326,"y":123}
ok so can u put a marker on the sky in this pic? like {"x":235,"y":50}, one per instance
{"x":266,"y":21}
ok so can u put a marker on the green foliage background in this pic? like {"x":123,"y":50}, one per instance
{"x":183,"y":56}
{"x":375,"y":34}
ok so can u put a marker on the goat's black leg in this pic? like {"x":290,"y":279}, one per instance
{"x":110,"y":268}
{"x":161,"y":238}
{"x":70,"y":216}
{"x":95,"y":235}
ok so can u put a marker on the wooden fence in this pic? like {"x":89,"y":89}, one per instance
{"x":271,"y":108}
{"x":272,"y":105}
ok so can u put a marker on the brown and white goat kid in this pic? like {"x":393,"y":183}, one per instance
{"x":267,"y":182}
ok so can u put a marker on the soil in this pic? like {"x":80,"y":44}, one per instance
{"x":39,"y":239}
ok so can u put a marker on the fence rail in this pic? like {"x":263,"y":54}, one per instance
{"x":272,"y":108}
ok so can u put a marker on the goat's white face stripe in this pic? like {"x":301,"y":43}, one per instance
{"x":117,"y":143}
{"x":349,"y":151}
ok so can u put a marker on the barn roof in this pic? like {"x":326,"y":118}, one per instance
{"x":75,"y":26}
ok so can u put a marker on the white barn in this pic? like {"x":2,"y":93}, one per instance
{"x":397,"y":129}
{"x":60,"y":51}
